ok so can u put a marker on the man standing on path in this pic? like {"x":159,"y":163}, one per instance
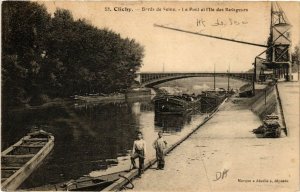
{"x":160,"y":144}
{"x":139,"y":151}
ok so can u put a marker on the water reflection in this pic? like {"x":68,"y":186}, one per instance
{"x":88,"y":136}
{"x":171,"y":123}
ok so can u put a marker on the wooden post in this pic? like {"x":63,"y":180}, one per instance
{"x":228,"y":78}
{"x":254,"y":78}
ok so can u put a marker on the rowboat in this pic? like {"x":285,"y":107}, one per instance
{"x":85,"y":183}
{"x":22,"y":158}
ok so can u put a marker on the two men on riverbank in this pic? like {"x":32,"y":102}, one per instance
{"x":139,"y":151}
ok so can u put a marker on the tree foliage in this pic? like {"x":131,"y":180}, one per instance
{"x":59,"y":56}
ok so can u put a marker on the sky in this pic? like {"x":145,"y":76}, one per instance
{"x":174,"y":51}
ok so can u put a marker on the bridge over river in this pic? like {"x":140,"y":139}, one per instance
{"x":150,"y":79}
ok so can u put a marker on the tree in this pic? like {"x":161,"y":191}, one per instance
{"x":23,"y":27}
{"x":61,"y":56}
{"x":96,"y":60}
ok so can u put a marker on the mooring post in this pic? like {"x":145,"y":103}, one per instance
{"x":254,"y":77}
{"x":228,"y":78}
{"x":214,"y":76}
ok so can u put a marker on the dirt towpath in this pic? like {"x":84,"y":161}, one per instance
{"x":224,"y":155}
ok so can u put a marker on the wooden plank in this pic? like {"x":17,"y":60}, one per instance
{"x":18,"y":156}
{"x":31,"y":146}
{"x":9,"y":168}
{"x":36,"y":139}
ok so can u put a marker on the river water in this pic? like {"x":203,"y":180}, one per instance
{"x":92,"y":138}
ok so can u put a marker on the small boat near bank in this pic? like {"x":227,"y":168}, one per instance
{"x":22,"y":158}
{"x":85,"y":183}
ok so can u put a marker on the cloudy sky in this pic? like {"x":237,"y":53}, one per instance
{"x":178,"y":51}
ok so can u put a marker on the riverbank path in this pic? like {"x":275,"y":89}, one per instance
{"x":224,"y":155}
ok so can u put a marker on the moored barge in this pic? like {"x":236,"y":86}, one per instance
{"x":176,"y":105}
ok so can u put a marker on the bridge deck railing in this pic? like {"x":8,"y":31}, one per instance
{"x":149,"y":78}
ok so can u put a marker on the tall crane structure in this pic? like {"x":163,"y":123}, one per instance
{"x":278,"y":55}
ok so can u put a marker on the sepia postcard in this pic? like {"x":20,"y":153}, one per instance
{"x":150,"y":96}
